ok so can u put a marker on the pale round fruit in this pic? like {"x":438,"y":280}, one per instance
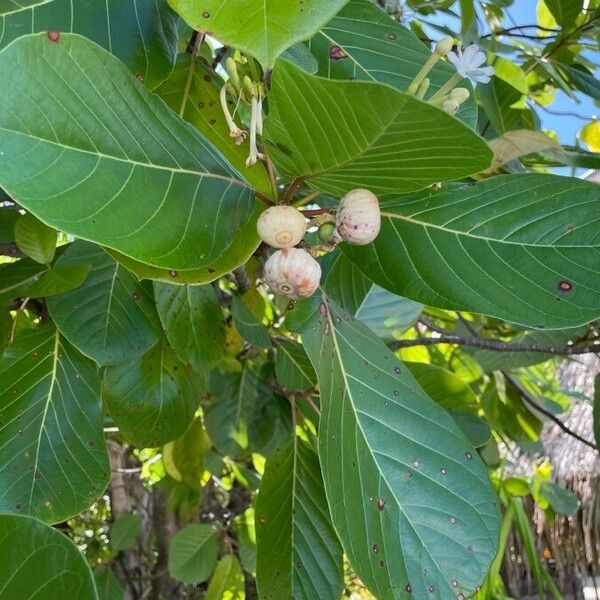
{"x":281,"y":226}
{"x":293,"y":273}
{"x":358,"y":218}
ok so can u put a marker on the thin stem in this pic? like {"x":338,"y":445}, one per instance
{"x":423,"y":72}
{"x":529,"y":399}
{"x":271,"y":174}
{"x":289,"y":193}
{"x":447,"y":87}
{"x":306,"y":200}
{"x":497,"y":345}
{"x":195,"y":47}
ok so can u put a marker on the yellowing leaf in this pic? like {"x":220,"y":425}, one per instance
{"x":590,"y":134}
{"x":514,"y":144}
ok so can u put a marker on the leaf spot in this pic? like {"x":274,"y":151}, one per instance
{"x":392,"y":37}
{"x":375,"y":548}
{"x":53,"y":36}
{"x":336,"y":53}
{"x":443,"y":471}
{"x":468,"y":455}
{"x":381,"y":504}
{"x":431,"y":589}
{"x":408,"y":588}
{"x":453,"y":520}
{"x":206,"y":14}
{"x":565,"y":286}
{"x":455,"y":583}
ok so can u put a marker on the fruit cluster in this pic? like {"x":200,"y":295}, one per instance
{"x":293,"y":272}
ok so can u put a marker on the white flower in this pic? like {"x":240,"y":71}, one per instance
{"x":468,"y":64}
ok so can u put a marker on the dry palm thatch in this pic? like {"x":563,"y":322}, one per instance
{"x":570,"y":546}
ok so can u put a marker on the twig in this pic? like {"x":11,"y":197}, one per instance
{"x":194,"y":47}
{"x":242,"y":280}
{"x":562,"y":113}
{"x":529,"y":399}
{"x":219,"y":56}
{"x":10,"y":249}
{"x":497,"y":345}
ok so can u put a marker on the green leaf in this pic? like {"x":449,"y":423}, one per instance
{"x":583,"y":80}
{"x":409,"y":497}
{"x":362,"y":42}
{"x":467,"y":13}
{"x":193,"y":553}
{"x":292,"y":367}
{"x":261,"y":28}
{"x":111,"y":317}
{"x":562,"y":501}
{"x":387,"y":314}
{"x":249,"y":327}
{"x":184,"y":457}
{"x":299,"y":555}
{"x":497,"y":99}
{"x":516,"y":486}
{"x":227,"y":582}
{"x":8,"y":7}
{"x":522,"y":248}
{"x":245,"y":532}
{"x":125,"y":531}
{"x":59,"y":280}
{"x":35,"y":239}
{"x":244,"y":414}
{"x":341,"y":135}
{"x":8,"y":219}
{"x":17,"y":278}
{"x":455,"y":396}
{"x":107,"y":584}
{"x":40,"y":562}
{"x":193,"y":322}
{"x":52,"y":453}
{"x":243,"y":245}
{"x":152,"y":399}
{"x":197,"y":101}
{"x":302,"y":57}
{"x":142,"y":33}
{"x":109,"y":144}
{"x":565,"y":11}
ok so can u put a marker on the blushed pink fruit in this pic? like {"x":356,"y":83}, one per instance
{"x":293,"y":273}
{"x":358,"y":218}
{"x":281,"y":226}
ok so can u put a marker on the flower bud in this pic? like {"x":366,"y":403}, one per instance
{"x":326,"y":231}
{"x":293,"y":273}
{"x":459,"y":95}
{"x":281,"y":226}
{"x":450,"y":106}
{"x":358,"y":218}
{"x":444,"y":46}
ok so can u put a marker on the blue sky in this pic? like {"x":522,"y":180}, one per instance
{"x":523,"y":12}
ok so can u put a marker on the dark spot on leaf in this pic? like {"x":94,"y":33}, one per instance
{"x":212,"y":121}
{"x":415,"y":463}
{"x":443,"y":471}
{"x":397,"y":369}
{"x":375,"y":548}
{"x":173,"y":273}
{"x":53,"y":36}
{"x":408,"y":588}
{"x":381,"y":563}
{"x":136,"y":296}
{"x":468,"y":455}
{"x":455,"y":583}
{"x":565,"y":286}
{"x":381,"y":504}
{"x":18,"y":507}
{"x":461,"y":597}
{"x":139,"y":77}
{"x":431,"y":589}
{"x":408,"y":473}
{"x":453,"y":520}
{"x":336,"y":53}
{"x":206,"y":14}
{"x":91,"y":444}
{"x":392,"y":37}
{"x":200,"y":104}
{"x":207,"y":78}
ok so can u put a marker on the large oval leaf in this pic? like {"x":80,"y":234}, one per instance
{"x":523,"y":248}
{"x":105,"y":160}
{"x":298,"y":553}
{"x":111,"y":317}
{"x":193,"y":553}
{"x":40,"y":562}
{"x":409,"y":497}
{"x":152,"y":399}
{"x":362,"y":42}
{"x":262,"y":28}
{"x":193,"y":323}
{"x":341,"y":135}
{"x":142,"y":33}
{"x":53,"y":461}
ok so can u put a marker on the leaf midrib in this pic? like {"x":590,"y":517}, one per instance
{"x":44,"y":415}
{"x":458,"y":233}
{"x":332,"y":326}
{"x":128,"y":161}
